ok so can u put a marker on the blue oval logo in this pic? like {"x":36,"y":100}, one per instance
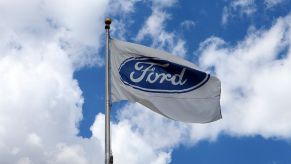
{"x":160,"y":76}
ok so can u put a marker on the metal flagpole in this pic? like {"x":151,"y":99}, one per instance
{"x":108,"y":152}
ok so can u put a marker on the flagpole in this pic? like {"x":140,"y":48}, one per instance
{"x":108,"y":153}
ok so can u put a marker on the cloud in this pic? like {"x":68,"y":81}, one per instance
{"x":141,"y":136}
{"x":273,"y":3}
{"x":163,"y":3}
{"x":154,"y":28}
{"x":40,"y":105}
{"x":75,"y":25}
{"x":245,"y":8}
{"x":238,"y":8}
{"x":255,"y":81}
{"x":126,"y":6}
{"x":188,"y":24}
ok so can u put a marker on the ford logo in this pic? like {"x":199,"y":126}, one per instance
{"x":160,"y":76}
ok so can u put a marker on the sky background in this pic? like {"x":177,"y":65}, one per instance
{"x":52,"y":81}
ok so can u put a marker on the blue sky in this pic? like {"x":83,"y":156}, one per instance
{"x":52,"y":82}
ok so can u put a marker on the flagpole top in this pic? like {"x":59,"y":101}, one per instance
{"x":107,"y":23}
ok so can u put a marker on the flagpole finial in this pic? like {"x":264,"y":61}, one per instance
{"x":107,"y":23}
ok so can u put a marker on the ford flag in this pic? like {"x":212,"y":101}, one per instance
{"x":166,"y":84}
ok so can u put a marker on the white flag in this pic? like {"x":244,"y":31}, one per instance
{"x":166,"y":84}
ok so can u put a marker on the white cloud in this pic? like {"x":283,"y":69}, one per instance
{"x":245,"y":8}
{"x":225,"y":15}
{"x":163,"y":3}
{"x":273,"y":3}
{"x":141,"y":136}
{"x":69,"y":23}
{"x":126,"y":6}
{"x":70,"y":155}
{"x":154,"y":28}
{"x":238,"y":8}
{"x":40,"y":104}
{"x":154,"y":25}
{"x":188,"y":24}
{"x":255,"y":81}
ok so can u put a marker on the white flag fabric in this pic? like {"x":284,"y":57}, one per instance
{"x":166,"y":84}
